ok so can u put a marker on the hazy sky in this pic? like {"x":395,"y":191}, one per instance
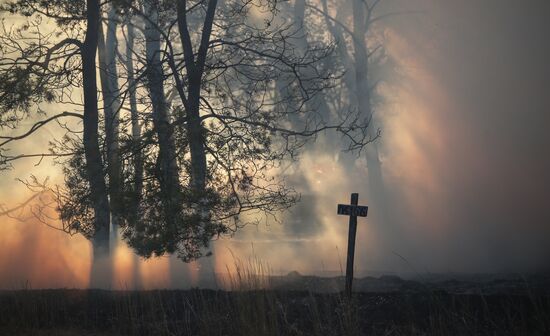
{"x":465,"y":152}
{"x":464,"y":146}
{"x":489,"y":64}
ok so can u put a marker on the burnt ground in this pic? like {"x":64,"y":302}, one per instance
{"x":403,"y":308}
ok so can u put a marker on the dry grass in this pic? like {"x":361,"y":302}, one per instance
{"x":251,"y":308}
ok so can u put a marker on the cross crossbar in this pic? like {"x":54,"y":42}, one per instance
{"x":353,"y":210}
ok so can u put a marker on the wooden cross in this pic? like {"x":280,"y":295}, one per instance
{"x":353,"y":210}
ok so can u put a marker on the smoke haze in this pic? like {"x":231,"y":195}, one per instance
{"x":465,"y":161}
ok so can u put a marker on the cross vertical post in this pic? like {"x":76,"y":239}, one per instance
{"x":351,"y":246}
{"x":352,"y":210}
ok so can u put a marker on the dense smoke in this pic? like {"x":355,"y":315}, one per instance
{"x":464,"y":149}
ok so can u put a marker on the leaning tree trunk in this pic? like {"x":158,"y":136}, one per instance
{"x":100,"y":275}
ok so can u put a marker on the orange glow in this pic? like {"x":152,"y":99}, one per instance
{"x":414,"y":152}
{"x":34,"y":255}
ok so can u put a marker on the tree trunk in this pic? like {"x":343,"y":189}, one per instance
{"x":363,"y":96}
{"x":94,"y":165}
{"x":376,"y":187}
{"x":137,"y":153}
{"x":318,"y":103}
{"x":136,"y":126}
{"x":168,"y":173}
{"x":361,"y":58}
{"x":341,"y":47}
{"x":107,"y":51}
{"x":107,"y":46}
{"x":195,"y":71}
{"x":195,"y":133}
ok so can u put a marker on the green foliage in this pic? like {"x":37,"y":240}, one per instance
{"x":19,"y":92}
{"x":252,"y":103}
{"x":19,"y":89}
{"x":65,"y":12}
{"x":74,"y":203}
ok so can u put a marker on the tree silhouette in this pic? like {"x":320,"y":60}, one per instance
{"x":216,"y":96}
